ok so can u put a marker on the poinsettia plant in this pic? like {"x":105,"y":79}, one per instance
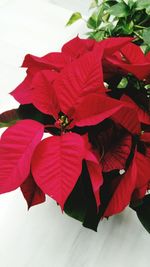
{"x":92,"y":100}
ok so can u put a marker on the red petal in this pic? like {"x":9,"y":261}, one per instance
{"x":128,"y":119}
{"x":143,"y":175}
{"x":116,"y":157}
{"x":16,"y":148}
{"x":57,"y":171}
{"x":23,"y":91}
{"x":140,"y":70}
{"x":145,"y":137}
{"x":31,"y":192}
{"x":43,"y":95}
{"x":110,"y":45}
{"x":133,"y":54}
{"x":83,"y":76}
{"x":54,"y":60}
{"x":122,"y":195}
{"x":142,"y":115}
{"x":77,"y":47}
{"x":95,"y":108}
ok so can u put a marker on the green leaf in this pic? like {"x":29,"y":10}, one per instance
{"x":128,"y":28}
{"x":8,"y":118}
{"x":142,"y":4}
{"x":99,"y":35}
{"x":146,"y":36}
{"x":148,"y":10}
{"x":143,"y":212}
{"x":74,"y":17}
{"x":92,"y":21}
{"x":131,"y":3}
{"x":95,"y":19}
{"x":119,"y":10}
{"x":123,"y":83}
{"x":7,"y":124}
{"x":81,"y":203}
{"x":147,"y":86}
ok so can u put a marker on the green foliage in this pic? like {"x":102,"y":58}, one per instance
{"x":74,"y":17}
{"x":7,"y":124}
{"x":143,"y":212}
{"x":119,"y":18}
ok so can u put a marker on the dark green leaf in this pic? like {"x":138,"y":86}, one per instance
{"x":81,"y":204}
{"x":8,"y":118}
{"x":74,"y":17}
{"x":143,"y":212}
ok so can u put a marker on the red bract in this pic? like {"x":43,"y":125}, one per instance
{"x":121,"y":197}
{"x":117,"y":155}
{"x":31,"y":192}
{"x":58,"y":170}
{"x":132,"y":185}
{"x":56,"y":61}
{"x":143,"y":116}
{"x":16,"y":148}
{"x":130,"y":59}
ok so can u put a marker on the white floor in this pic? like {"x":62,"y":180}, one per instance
{"x":43,"y":237}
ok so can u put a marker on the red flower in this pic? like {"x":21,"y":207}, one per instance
{"x":76,"y":97}
{"x":69,"y":85}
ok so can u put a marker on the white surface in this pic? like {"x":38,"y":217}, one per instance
{"x":43,"y":237}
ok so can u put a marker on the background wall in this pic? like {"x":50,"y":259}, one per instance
{"x":76,"y":5}
{"x":43,"y":236}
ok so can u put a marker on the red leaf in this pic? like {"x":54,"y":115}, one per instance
{"x":128,"y":119}
{"x":16,"y":148}
{"x":143,"y":174}
{"x":23,"y":91}
{"x":113,"y":44}
{"x":140,"y":70}
{"x":116,"y":157}
{"x":133,"y":54}
{"x":31,"y":192}
{"x":95,"y":108}
{"x":57,"y":171}
{"x":122,"y":195}
{"x":55,"y":60}
{"x":142,"y":115}
{"x":83,"y":76}
{"x":43,"y":95}
{"x":145,"y":137}
{"x":77,"y":47}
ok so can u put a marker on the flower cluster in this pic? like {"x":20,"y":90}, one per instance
{"x":96,"y":159}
